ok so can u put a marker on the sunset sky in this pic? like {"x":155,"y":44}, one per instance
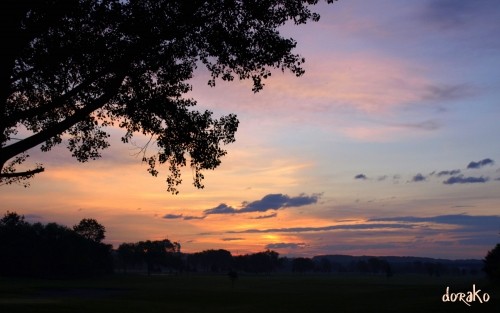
{"x":388,"y":145}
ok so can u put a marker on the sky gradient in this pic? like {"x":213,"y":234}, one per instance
{"x":388,"y":145}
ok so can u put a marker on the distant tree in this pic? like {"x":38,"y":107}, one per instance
{"x":129,"y":256}
{"x":374,"y":264}
{"x":90,"y":229}
{"x":71,"y":68}
{"x":174,"y":259}
{"x":260,"y":262}
{"x":492,"y":264}
{"x":301,"y":265}
{"x":15,"y":244}
{"x":158,"y":253}
{"x":264,"y":262}
{"x":12,"y":220}
{"x":362,"y":266}
{"x":388,"y":269}
{"x":154,"y":254}
{"x":434,"y":269}
{"x":211,"y":260}
{"x":325,"y":265}
{"x":378,"y":265}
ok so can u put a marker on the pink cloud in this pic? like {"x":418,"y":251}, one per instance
{"x":362,"y":82}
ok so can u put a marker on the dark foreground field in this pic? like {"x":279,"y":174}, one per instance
{"x":198,"y":293}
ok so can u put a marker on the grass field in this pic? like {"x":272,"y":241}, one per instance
{"x":212,"y":293}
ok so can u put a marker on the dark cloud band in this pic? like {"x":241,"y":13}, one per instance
{"x":270,"y":202}
{"x":461,"y":179}
{"x":368,"y":226}
{"x":479,"y":164}
{"x":285,"y":245}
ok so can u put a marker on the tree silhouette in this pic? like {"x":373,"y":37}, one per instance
{"x":211,"y":260}
{"x":154,"y":254}
{"x":50,"y":250}
{"x":260,"y":262}
{"x":129,"y":255}
{"x":492,"y":264}
{"x":325,"y":265}
{"x":71,"y":68}
{"x":301,"y":265}
{"x":12,"y":220}
{"x":15,"y":237}
{"x":90,"y":229}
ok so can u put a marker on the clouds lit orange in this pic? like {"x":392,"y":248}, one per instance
{"x":388,"y":145}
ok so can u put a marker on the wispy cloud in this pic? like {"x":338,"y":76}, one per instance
{"x":368,"y":226}
{"x":182,"y":216}
{"x":418,"y":178}
{"x":221,"y":209}
{"x":448,"y":92}
{"x":172,"y":216}
{"x":382,"y":178}
{"x":472,"y":222}
{"x":458,"y":15}
{"x":430,"y":224}
{"x":192,"y":217}
{"x":479,"y":164}
{"x":233,"y":239}
{"x":361,"y":247}
{"x":278,"y":201}
{"x":461,"y":179}
{"x":455,"y":175}
{"x":260,"y":217}
{"x":445,"y":173}
{"x":360,"y":176}
{"x":33,"y":218}
{"x":285,"y":245}
{"x":268,"y":202}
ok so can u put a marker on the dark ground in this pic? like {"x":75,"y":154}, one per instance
{"x":214,"y":293}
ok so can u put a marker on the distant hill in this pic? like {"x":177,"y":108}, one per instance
{"x":398,"y":264}
{"x":345,"y":259}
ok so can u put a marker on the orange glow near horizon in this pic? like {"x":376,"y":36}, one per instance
{"x":370,"y":149}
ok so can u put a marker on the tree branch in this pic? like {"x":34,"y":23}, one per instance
{"x":22,"y":174}
{"x":18,"y":147}
{"x":58,"y":102}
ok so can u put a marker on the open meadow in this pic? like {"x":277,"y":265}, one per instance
{"x":215,"y":293}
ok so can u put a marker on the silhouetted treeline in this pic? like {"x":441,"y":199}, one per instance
{"x":155,"y":256}
{"x":165,"y":256}
{"x":52,"y":250}
{"x":260,"y":262}
{"x":269,"y":261}
{"x":396,"y":265}
{"x":210,"y":261}
{"x":302,"y":265}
